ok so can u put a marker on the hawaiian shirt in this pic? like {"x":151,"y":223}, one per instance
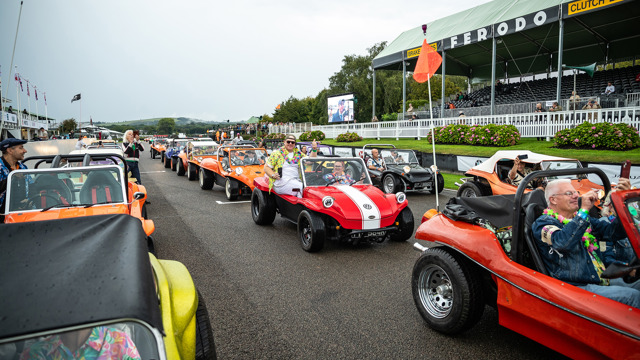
{"x":104,"y":343}
{"x":5,"y":169}
{"x":377,"y":163}
{"x":277,"y":158}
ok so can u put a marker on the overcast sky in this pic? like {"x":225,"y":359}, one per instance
{"x":205,"y":59}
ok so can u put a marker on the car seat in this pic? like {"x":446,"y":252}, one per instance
{"x":100,"y":187}
{"x":49,"y":188}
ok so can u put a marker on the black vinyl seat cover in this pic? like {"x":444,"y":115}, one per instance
{"x":99,"y":181}
{"x":85,"y":270}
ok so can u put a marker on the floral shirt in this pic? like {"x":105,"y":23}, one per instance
{"x":278,"y":157}
{"x":343,"y":179}
{"x":103,"y":343}
{"x":5,"y":169}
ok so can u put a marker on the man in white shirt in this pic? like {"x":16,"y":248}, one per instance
{"x":80,"y":144}
{"x":610,"y":89}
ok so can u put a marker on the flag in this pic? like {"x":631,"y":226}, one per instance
{"x":429,"y":62}
{"x":90,"y":121}
{"x":35,"y":91}
{"x":76,"y":97}
{"x":18,"y":79}
{"x":45,"y":99}
{"x":28,"y":93}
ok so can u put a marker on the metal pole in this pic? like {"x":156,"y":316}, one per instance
{"x":493,"y":74}
{"x":433,"y":145}
{"x":444,"y":62}
{"x":404,"y":86}
{"x":560,"y":51}
{"x":15,"y":39}
{"x":373,"y":110}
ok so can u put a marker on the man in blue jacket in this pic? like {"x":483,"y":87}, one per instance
{"x":568,"y":241}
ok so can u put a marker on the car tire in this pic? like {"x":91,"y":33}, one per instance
{"x":469,"y":189}
{"x":206,"y":179}
{"x":446,"y":291}
{"x":231,"y":189}
{"x":143,"y":212}
{"x":389,"y":184}
{"x":311,"y":231}
{"x":263,"y":207}
{"x":174,"y":162}
{"x":153,"y":153}
{"x":440,"y":184}
{"x":205,"y":346}
{"x":192,"y":172}
{"x":167,"y":162}
{"x":180,"y":167}
{"x":405,"y":227}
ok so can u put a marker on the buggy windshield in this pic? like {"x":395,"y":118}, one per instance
{"x":334,"y":171}
{"x":44,"y":189}
{"x":247,"y":157}
{"x":395,"y":156}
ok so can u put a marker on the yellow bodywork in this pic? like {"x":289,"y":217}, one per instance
{"x":178,"y":304}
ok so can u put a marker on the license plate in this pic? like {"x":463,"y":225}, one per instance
{"x":374,"y":234}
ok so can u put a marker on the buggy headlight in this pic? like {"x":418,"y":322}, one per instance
{"x":401,"y":197}
{"x":327,"y":201}
{"x":239,"y":171}
{"x":434,"y":168}
{"x":406,"y":169}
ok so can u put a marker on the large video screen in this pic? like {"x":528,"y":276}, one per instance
{"x":340,"y":108}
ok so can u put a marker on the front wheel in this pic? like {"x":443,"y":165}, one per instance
{"x":206,"y":179}
{"x":446,"y":291}
{"x":311,"y":231}
{"x":231,"y":189}
{"x":263,"y":207}
{"x":469,"y":189}
{"x":440,"y":184}
{"x":389,"y":184}
{"x":180,"y":167}
{"x":167,"y":161}
{"x":205,"y":347}
{"x":405,"y":227}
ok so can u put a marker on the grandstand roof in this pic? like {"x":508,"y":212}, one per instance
{"x":528,"y":37}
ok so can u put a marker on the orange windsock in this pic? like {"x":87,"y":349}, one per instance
{"x":428,"y":63}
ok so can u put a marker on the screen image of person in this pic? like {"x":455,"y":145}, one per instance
{"x":341,"y":114}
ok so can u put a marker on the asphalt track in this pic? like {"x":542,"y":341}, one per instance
{"x":269,"y":299}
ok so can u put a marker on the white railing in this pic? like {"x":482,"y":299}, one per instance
{"x":290,"y":128}
{"x":633,"y":99}
{"x":530,"y":124}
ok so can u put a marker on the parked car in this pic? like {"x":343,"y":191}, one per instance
{"x":90,"y":281}
{"x":323,"y":150}
{"x":482,"y":251}
{"x":491,"y":177}
{"x":158,"y":147}
{"x":72,"y":187}
{"x":196,"y":151}
{"x":234,"y":167}
{"x":272,"y":144}
{"x":353,"y":213}
{"x":403,"y":171}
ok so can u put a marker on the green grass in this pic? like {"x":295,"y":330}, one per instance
{"x":542,"y":147}
{"x":450,"y":180}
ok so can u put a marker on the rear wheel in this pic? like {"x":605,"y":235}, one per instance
{"x":150,"y":246}
{"x":440,"y":184}
{"x":311,"y":231}
{"x":167,"y":162}
{"x":153,"y":153}
{"x":231,"y":189}
{"x":205,"y":347}
{"x":192,"y":172}
{"x":469,"y":189}
{"x":446,"y":291}
{"x":405,"y":227}
{"x":263,"y":207}
{"x":206,"y":179}
{"x":389,"y":184}
{"x":174,"y":163}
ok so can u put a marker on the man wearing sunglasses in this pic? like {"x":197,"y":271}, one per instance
{"x":282,"y":167}
{"x":569,"y":240}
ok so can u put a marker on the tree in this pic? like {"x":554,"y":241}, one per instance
{"x":68,"y":125}
{"x":166,"y":126}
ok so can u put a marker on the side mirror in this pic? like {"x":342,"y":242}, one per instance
{"x":139,"y":195}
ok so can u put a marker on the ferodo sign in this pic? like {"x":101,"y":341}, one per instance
{"x":507,"y":27}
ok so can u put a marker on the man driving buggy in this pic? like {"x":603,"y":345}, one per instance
{"x":376,"y":163}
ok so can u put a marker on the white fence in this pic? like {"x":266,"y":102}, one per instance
{"x":530,"y":124}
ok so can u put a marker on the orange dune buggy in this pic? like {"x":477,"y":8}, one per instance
{"x":233,"y":167}
{"x":75,"y":186}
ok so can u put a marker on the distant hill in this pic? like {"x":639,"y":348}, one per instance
{"x":154,"y":122}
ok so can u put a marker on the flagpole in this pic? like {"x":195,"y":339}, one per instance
{"x":433,"y":145}
{"x":19,"y":103}
{"x":15,"y":39}
{"x":35,"y":92}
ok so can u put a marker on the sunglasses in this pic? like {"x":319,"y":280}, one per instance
{"x":290,"y":142}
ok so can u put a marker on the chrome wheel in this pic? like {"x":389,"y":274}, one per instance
{"x":389,"y":184}
{"x":435,"y":291}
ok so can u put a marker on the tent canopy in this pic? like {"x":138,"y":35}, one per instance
{"x":527,"y":34}
{"x":253,"y":120}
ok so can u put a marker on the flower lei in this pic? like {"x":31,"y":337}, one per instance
{"x":297,"y":155}
{"x":588,"y":241}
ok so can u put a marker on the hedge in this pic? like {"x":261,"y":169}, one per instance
{"x":488,"y":135}
{"x":348,"y":137}
{"x":602,"y":136}
{"x":311,"y":135}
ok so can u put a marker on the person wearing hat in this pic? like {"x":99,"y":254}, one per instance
{"x":339,"y":116}
{"x":282,"y":167}
{"x":12,"y":153}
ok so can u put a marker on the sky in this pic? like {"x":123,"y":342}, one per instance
{"x":203,"y":59}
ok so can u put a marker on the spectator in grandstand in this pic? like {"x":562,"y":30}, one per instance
{"x":554,"y":108}
{"x":610,"y":89}
{"x":374,"y":119}
{"x":451,"y":105}
{"x":460,"y":96}
{"x":592,"y":104}
{"x":474,"y":103}
{"x":574,"y":101}
{"x":461,"y":117}
{"x":498,"y":86}
{"x":539,"y":109}
{"x":410,"y":109}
